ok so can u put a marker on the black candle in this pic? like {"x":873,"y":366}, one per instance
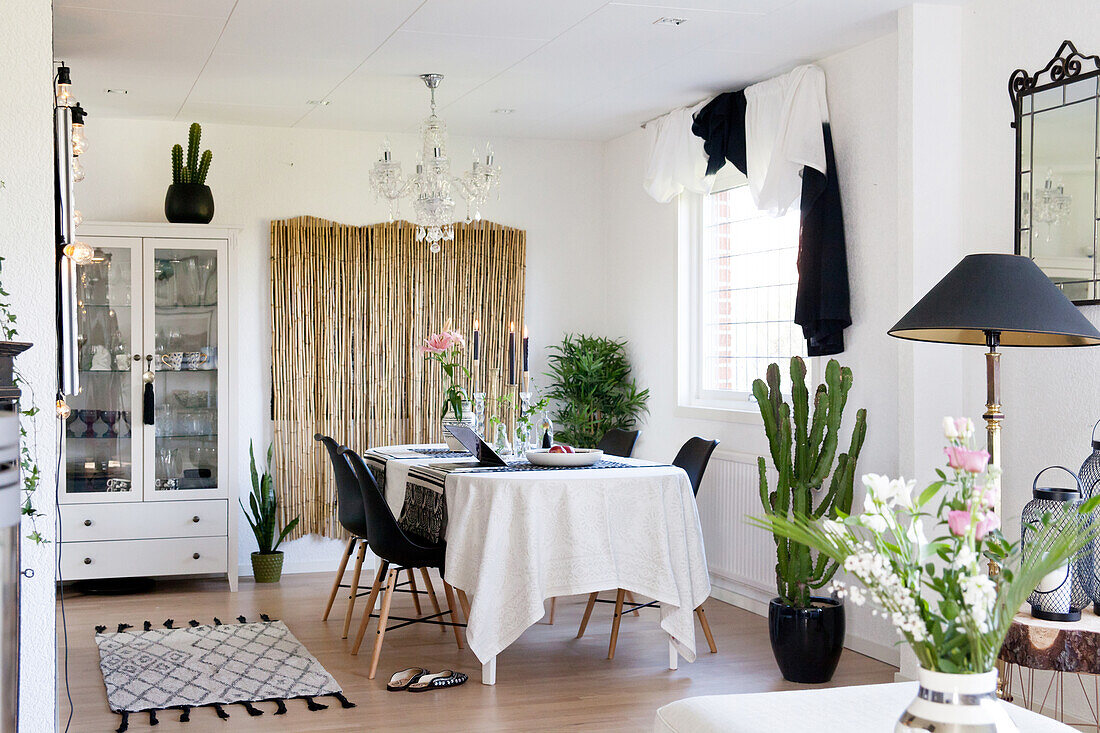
{"x":512,"y":354}
{"x":477,"y":340}
{"x":526,"y":355}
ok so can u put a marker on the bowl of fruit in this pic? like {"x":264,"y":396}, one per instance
{"x":564,"y":455}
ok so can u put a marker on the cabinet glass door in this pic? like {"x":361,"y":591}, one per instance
{"x":186,"y":441}
{"x":102,"y":434}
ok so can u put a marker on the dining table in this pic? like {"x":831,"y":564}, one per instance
{"x":520,"y":534}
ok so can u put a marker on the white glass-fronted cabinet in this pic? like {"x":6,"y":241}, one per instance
{"x":148,"y":484}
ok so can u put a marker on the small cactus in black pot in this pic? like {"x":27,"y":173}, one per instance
{"x":189,"y":199}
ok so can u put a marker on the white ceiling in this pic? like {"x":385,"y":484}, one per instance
{"x":575,"y":69}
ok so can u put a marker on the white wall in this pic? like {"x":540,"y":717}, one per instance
{"x":26,"y":243}
{"x":549,"y":188}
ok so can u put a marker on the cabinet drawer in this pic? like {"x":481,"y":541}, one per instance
{"x":129,"y":558}
{"x":144,"y":520}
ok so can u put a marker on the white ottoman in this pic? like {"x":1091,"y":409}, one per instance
{"x":848,"y":709}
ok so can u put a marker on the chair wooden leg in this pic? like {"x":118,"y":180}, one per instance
{"x":339,"y":576}
{"x":372,"y":600}
{"x":465,"y":604}
{"x":631,"y":601}
{"x":553,"y":603}
{"x":415,"y":591}
{"x":587,"y":612}
{"x":383,"y":619}
{"x":706,"y":629}
{"x":615,"y":623}
{"x":354,"y":588}
{"x":454,"y":616}
{"x":431,"y":594}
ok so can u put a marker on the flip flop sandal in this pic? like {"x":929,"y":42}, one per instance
{"x":401,"y":680}
{"x":446,"y":678}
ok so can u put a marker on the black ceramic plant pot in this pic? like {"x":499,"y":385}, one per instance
{"x":189,"y":203}
{"x":807,"y":642}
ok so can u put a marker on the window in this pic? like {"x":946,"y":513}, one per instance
{"x":740,"y":292}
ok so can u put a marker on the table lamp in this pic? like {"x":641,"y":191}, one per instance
{"x":996,"y":300}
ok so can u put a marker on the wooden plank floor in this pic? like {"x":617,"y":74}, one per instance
{"x":546,"y":681}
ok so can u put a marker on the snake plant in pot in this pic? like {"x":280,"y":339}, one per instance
{"x":807,"y":630}
{"x":189,"y":200}
{"x":267,"y":562}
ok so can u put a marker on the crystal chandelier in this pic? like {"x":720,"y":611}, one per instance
{"x":1051,"y":204}
{"x":431,"y":186}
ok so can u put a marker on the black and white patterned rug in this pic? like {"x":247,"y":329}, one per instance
{"x":217,"y":664}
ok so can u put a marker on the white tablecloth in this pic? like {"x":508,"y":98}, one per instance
{"x":515,"y":539}
{"x":870,"y":708}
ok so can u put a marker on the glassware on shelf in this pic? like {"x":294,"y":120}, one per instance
{"x":206,"y":267}
{"x":168,"y":463}
{"x":187,"y":276}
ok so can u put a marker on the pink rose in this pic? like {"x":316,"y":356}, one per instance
{"x":960,"y":458}
{"x":958,"y":521}
{"x":986,"y":524}
{"x":437,"y":343}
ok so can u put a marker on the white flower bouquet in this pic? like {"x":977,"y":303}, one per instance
{"x":919,"y":557}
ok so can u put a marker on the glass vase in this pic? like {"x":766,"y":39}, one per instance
{"x":500,"y":441}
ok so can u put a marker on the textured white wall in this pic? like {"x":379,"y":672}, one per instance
{"x":549,"y":188}
{"x":26,"y":243}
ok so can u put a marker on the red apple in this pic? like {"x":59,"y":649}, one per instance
{"x":569,"y":449}
{"x":559,"y":449}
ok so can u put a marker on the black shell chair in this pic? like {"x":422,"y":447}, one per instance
{"x":617,"y":442}
{"x":350,"y":514}
{"x":693,"y":458}
{"x":398,"y":551}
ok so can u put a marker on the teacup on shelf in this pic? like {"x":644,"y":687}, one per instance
{"x":173,"y":360}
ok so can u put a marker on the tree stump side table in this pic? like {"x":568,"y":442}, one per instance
{"x":1057,"y":647}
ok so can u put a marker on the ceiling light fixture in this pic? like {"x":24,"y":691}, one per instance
{"x":430,"y":186}
{"x":117,"y":91}
{"x":320,"y":102}
{"x":670,"y":21}
{"x":503,"y":111}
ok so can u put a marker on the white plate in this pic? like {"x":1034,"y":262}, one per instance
{"x":581,"y":457}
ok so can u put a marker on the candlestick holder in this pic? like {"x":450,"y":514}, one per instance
{"x":479,"y":413}
{"x":523,"y":424}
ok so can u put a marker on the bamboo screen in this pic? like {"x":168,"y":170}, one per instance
{"x":350,"y":306}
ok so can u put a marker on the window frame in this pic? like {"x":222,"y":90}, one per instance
{"x":692,"y":399}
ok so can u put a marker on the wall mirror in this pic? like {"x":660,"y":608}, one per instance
{"x":1058,"y":168}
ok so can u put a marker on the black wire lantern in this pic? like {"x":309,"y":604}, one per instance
{"x":1089,"y":477}
{"x":1061,"y":594}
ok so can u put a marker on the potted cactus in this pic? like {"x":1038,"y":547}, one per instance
{"x":189,"y":200}
{"x":806,"y":630}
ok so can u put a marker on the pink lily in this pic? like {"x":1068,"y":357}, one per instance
{"x":437,"y":343}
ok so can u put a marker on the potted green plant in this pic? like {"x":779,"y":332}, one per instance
{"x":806,"y":630}
{"x":189,"y":200}
{"x":267,"y":562}
{"x":591,"y":387}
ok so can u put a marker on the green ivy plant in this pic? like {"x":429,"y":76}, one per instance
{"x":591,"y":387}
{"x":28,"y":439}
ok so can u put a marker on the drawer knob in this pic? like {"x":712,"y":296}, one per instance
{"x":196,"y":556}
{"x":87,"y":561}
{"x":195,"y":519}
{"x":87,"y":523}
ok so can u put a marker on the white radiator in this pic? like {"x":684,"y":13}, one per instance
{"x":736,"y":552}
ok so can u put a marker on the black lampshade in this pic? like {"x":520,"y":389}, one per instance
{"x":997,"y":292}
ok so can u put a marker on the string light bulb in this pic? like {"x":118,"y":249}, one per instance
{"x":64,"y":87}
{"x":78,"y":218}
{"x":78,"y":170}
{"x":79,"y":252}
{"x":80,"y":143}
{"x":63,"y":409}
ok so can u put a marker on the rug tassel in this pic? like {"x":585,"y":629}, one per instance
{"x":280,"y":707}
{"x":168,"y":623}
{"x":193,"y":623}
{"x":313,"y":705}
{"x":100,"y":629}
{"x":344,"y":702}
{"x":221,"y":712}
{"x":123,"y":627}
{"x":148,"y":626}
{"x":185,"y":716}
{"x":125,"y":725}
{"x":252,"y":709}
{"x":217,"y":621}
{"x":242,"y":619}
{"x":265,"y":617}
{"x":153,"y":718}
